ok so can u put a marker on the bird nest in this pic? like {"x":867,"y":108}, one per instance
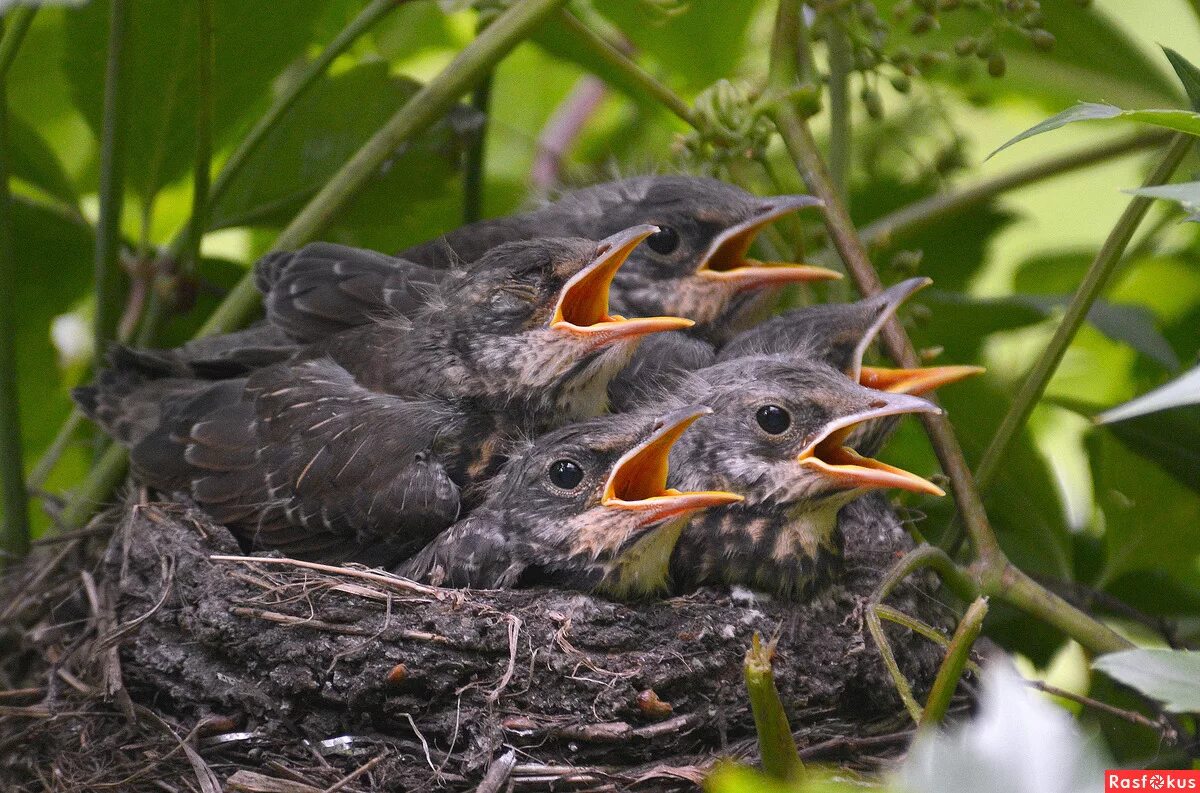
{"x":146,"y":653}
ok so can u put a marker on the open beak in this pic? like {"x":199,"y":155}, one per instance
{"x":853,"y":471}
{"x":886,"y":304}
{"x":582,"y":308}
{"x":914,"y":381}
{"x":638,"y":481}
{"x":726,"y":259}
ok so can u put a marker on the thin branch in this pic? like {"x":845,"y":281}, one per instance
{"x":170,"y":279}
{"x":951,"y":670}
{"x":923,"y":213}
{"x":107,"y":273}
{"x":800,"y":144}
{"x":418,"y":114}
{"x":1094,"y":282}
{"x":14,"y":526}
{"x":638,"y":77}
{"x":312,"y":72}
{"x":563,"y":128}
{"x":241,"y":155}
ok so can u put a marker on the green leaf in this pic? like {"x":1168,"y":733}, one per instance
{"x":1178,"y":120}
{"x":1188,"y":74}
{"x":1170,"y":440}
{"x":1150,"y":518}
{"x":1170,"y":676}
{"x":697,"y":43}
{"x":1184,"y":390}
{"x":1187,"y":194}
{"x":35,"y":162}
{"x":324,"y":128}
{"x":253,"y":43}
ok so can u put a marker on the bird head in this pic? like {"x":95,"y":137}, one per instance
{"x":839,"y":335}
{"x":536,"y":315}
{"x":696,"y":264}
{"x":778,"y":433}
{"x":588,"y":506}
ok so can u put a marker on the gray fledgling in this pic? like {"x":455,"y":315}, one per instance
{"x":585,"y":507}
{"x":776,"y":437}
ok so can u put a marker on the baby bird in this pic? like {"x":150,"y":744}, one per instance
{"x":585,"y":507}
{"x":777,"y":437}
{"x":360,"y":446}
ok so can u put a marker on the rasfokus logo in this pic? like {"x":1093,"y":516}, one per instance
{"x":1151,"y":780}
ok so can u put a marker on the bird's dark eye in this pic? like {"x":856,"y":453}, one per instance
{"x":773,"y":419}
{"x":664,"y":241}
{"x":566,"y":474}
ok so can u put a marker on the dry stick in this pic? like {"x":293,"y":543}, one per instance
{"x":498,"y":773}
{"x":951,"y":670}
{"x":418,"y":114}
{"x":922,"y":213}
{"x":994,"y":572}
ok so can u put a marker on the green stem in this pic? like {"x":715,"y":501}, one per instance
{"x":800,"y":144}
{"x":481,"y":100}
{"x":1094,"y":283}
{"x":421,"y":111}
{"x":14,"y":527}
{"x":42,"y":470}
{"x":951,"y":670}
{"x":840,"y":64}
{"x":939,"y":207}
{"x":101,"y":480}
{"x":17,"y":25}
{"x":776,"y":744}
{"x":638,"y":77}
{"x":1031,"y":597}
{"x":106,"y":264}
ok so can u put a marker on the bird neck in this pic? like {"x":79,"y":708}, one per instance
{"x":542,"y":373}
{"x":642,"y":570}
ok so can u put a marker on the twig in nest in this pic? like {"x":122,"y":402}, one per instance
{"x":383,"y":579}
{"x":498,"y":773}
{"x":356,"y":773}
{"x":514,"y":632}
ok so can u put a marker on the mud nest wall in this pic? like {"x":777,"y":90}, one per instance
{"x":138,"y":661}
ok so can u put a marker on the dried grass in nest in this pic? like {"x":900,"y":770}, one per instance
{"x":145,"y":653}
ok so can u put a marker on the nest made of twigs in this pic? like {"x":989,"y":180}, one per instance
{"x":145,"y":653}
